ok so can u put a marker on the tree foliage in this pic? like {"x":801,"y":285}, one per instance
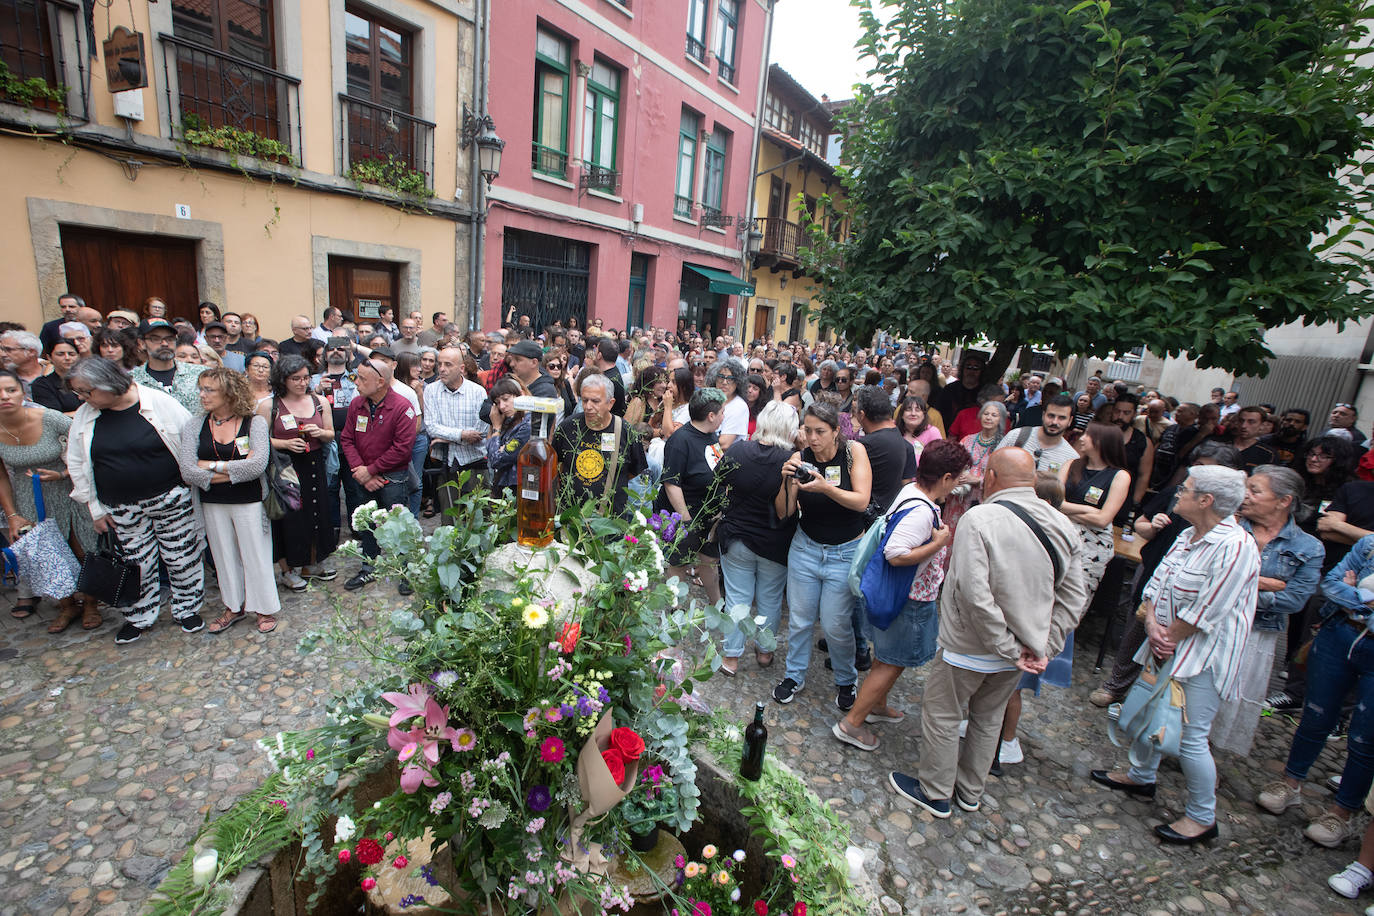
{"x":1182,"y":174}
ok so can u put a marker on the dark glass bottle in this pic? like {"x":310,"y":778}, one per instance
{"x":755,"y":742}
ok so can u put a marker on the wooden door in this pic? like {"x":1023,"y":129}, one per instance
{"x":361,"y":289}
{"x":119,"y":270}
{"x":763,"y":322}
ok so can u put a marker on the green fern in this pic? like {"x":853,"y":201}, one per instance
{"x":253,"y":828}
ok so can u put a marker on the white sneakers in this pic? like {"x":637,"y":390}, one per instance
{"x":1011,"y":752}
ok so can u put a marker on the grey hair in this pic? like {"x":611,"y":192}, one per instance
{"x":1284,"y":482}
{"x":424,"y":350}
{"x":734,"y":364}
{"x":101,"y":374}
{"x":599,"y":380}
{"x":777,"y":425}
{"x":73,"y":328}
{"x":1219,"y":452}
{"x":1001,"y":408}
{"x":25,"y":339}
{"x":1226,"y":486}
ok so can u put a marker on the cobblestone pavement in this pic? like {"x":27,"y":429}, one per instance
{"x":111,"y":756}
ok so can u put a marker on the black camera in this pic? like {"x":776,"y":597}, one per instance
{"x":806,"y":471}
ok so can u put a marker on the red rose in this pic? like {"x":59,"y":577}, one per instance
{"x":568,"y":637}
{"x":760,"y":908}
{"x":799,"y":909}
{"x":615,"y":762}
{"x":369,"y":851}
{"x":627,"y":742}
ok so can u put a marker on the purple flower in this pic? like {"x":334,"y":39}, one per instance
{"x":584,"y":706}
{"x":427,"y":872}
{"x":567,"y":709}
{"x":539,"y":798}
{"x":603,"y":695}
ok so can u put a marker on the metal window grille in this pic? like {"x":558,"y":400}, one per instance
{"x":368,"y":130}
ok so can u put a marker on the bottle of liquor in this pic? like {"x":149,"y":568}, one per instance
{"x":755,"y":742}
{"x":536,"y":475}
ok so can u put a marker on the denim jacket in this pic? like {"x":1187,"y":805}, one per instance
{"x":1295,"y":557}
{"x":1342,"y":598}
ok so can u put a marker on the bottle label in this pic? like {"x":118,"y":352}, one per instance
{"x":529,"y":483}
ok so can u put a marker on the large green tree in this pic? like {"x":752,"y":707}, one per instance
{"x":1182,"y":174}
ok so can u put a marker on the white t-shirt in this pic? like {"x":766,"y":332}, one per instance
{"x":736,"y":422}
{"x":408,"y":393}
{"x":1050,"y":459}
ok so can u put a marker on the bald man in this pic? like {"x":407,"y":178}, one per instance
{"x":376,"y":443}
{"x":89,"y":317}
{"x":1013,"y":593}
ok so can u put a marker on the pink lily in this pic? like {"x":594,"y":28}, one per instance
{"x":409,"y":705}
{"x":418,"y":748}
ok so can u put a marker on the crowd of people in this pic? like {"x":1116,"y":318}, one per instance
{"x":1008,"y":497}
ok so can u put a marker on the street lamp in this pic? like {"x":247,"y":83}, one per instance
{"x":482,"y":131}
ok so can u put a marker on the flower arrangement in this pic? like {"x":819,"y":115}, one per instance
{"x":196,"y":131}
{"x":517,"y":719}
{"x":711,"y":886}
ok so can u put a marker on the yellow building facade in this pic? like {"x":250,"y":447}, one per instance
{"x":284,"y":156}
{"x":795,"y":171}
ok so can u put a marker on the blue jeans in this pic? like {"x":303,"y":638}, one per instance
{"x":1335,"y":665}
{"x":417,"y":467}
{"x":392,"y":494}
{"x":1195,"y":753}
{"x":754,"y":581}
{"x":818,"y":588}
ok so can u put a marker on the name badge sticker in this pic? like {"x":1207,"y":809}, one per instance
{"x":242,"y":444}
{"x":288,"y":421}
{"x":362,"y":424}
{"x":832,"y":474}
{"x":1093,"y":496}
{"x":608,"y":442}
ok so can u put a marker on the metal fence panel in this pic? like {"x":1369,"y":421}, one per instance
{"x":1313,"y":383}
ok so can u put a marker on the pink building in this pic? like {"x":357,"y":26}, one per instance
{"x":630,"y":132}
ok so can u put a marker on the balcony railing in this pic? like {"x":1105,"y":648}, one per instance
{"x":726,"y":71}
{"x":599,"y":178}
{"x":38,"y":39}
{"x":781,"y":238}
{"x":710,"y":216}
{"x":696,"y":48}
{"x":218,"y":90}
{"x":549,"y":160}
{"x":682,"y":206}
{"x":371,"y":131}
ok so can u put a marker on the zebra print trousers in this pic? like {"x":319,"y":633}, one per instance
{"x":163,"y":527}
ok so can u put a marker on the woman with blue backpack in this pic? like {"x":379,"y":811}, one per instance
{"x":903,"y":632}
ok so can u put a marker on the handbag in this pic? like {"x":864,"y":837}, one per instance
{"x":874,"y":536}
{"x":283,"y":483}
{"x":108,"y":576}
{"x":1150,"y":720}
{"x":41,"y":555}
{"x":885,"y":587}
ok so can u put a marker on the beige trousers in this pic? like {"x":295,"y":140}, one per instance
{"x":950,"y":694}
{"x":241,"y":542}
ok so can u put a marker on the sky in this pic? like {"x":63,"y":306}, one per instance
{"x":813,"y":40}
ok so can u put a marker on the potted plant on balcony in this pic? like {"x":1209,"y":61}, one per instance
{"x":236,"y":141}
{"x":34,"y":92}
{"x":391,"y":173}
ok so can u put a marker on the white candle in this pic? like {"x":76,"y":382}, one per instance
{"x":203,"y":867}
{"x":855,"y":857}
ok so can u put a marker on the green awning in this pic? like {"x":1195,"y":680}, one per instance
{"x":721,"y":282}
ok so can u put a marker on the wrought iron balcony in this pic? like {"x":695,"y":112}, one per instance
{"x":710,"y":216}
{"x":217,"y":90}
{"x":696,"y":48}
{"x":599,"y":178}
{"x":726,"y":71}
{"x":548,"y":160}
{"x":682,"y":206}
{"x":371,"y":131}
{"x":781,"y":238}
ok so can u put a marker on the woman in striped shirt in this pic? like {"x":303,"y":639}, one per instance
{"x":1198,"y":608}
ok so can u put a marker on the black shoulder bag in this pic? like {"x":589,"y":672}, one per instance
{"x":1040,"y":536}
{"x":107,"y":575}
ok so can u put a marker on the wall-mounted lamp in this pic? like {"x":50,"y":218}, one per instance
{"x":482,"y":131}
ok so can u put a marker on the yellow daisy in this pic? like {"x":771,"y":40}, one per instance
{"x":535,"y":616}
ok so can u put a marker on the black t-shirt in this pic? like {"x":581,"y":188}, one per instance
{"x":129,"y":459}
{"x":163,"y":377}
{"x":953,"y":398}
{"x":290,"y":346}
{"x":689,"y":461}
{"x":618,"y":408}
{"x":52,"y":392}
{"x":893,"y":461}
{"x":1256,"y":455}
{"x":248,"y":491}
{"x":1288,"y":453}
{"x":752,"y":472}
{"x":824,"y":520}
{"x":1153,"y":550}
{"x":584,"y":455}
{"x":1355,"y":500}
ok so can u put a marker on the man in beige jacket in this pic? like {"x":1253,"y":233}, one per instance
{"x":1007,"y":605}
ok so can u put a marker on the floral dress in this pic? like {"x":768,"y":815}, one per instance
{"x":48,"y":452}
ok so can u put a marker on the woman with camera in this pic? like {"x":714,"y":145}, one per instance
{"x":829,"y":483}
